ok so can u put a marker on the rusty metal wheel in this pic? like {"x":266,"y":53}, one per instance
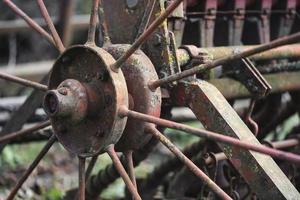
{"x":99,"y":99}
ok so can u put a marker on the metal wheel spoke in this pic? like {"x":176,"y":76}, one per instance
{"x":33,"y":165}
{"x":199,"y":173}
{"x":90,"y":167}
{"x":24,"y":82}
{"x":81,"y":173}
{"x":65,"y":28}
{"x":130,"y":166}
{"x":117,"y":163}
{"x":93,"y":22}
{"x":13,"y":135}
{"x":152,"y":27}
{"x":51,"y":26}
{"x":213,"y":136}
{"x":221,"y":61}
{"x":29,"y":21}
{"x":146,"y":18}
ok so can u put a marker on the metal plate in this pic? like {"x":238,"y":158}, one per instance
{"x":138,"y":71}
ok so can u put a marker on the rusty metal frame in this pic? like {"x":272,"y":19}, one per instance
{"x":216,"y":114}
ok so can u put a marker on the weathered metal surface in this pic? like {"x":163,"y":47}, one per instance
{"x":213,"y":158}
{"x":71,"y":100}
{"x":224,"y":60}
{"x":287,"y":81}
{"x":217,"y":137}
{"x":64,"y":26}
{"x":248,"y":75}
{"x":93,"y":22}
{"x":23,"y":82}
{"x":121,"y":19}
{"x":118,"y":165}
{"x":138,"y":71}
{"x":93,"y":124}
{"x":98,"y":182}
{"x":288,"y":51}
{"x":259,"y":171}
{"x":48,"y":20}
{"x":81,"y":178}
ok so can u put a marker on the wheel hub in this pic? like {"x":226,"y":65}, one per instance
{"x":84,"y":100}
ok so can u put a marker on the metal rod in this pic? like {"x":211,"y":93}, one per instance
{"x":104,"y":39}
{"x":93,"y":22}
{"x":51,"y":26}
{"x":287,"y":51}
{"x":212,"y":136}
{"x":211,"y":159}
{"x":78,"y":22}
{"x":24,"y":82}
{"x":146,"y":18}
{"x":152,"y":27}
{"x":16,"y":134}
{"x":187,"y":162}
{"x":31,"y":168}
{"x":117,"y":163}
{"x":226,"y":59}
{"x":285,"y":143}
{"x":90,"y":167}
{"x":81,"y":178}
{"x":64,"y":27}
{"x":130,"y":166}
{"x":29,"y":21}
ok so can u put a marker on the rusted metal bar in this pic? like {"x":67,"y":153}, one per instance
{"x":282,"y":82}
{"x":33,"y":165}
{"x":210,"y":160}
{"x":146,"y":18}
{"x":136,"y":45}
{"x":29,"y":21}
{"x":24,"y":82}
{"x":217,"y":115}
{"x":14,"y":135}
{"x":227,"y":59}
{"x":116,"y":161}
{"x":65,"y":26}
{"x":130,"y":166}
{"x":51,"y":26}
{"x":156,"y":177}
{"x":81,"y":178}
{"x":90,"y":167}
{"x":199,"y":173}
{"x":213,"y":136}
{"x":287,"y":51}
{"x":98,"y":182}
{"x":285,"y":143}
{"x":93,"y":22}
